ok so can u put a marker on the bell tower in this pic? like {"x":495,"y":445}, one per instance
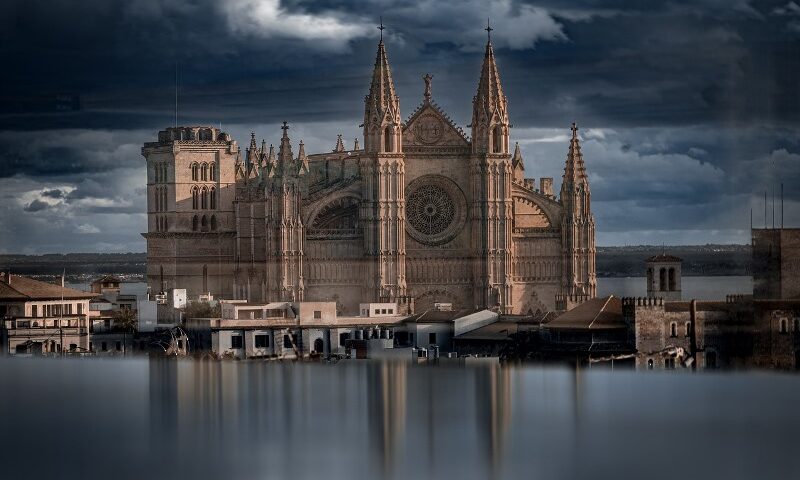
{"x":383,"y":192}
{"x":492,"y":174}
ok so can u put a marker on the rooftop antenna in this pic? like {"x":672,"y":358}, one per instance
{"x":381,"y":28}
{"x":488,"y":30}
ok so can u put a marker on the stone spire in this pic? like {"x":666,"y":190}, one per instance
{"x":272,"y":162}
{"x":285,"y":157}
{"x":516,"y":160}
{"x":490,"y":109}
{"x":262,"y":153}
{"x":574,"y":168}
{"x":382,"y":108}
{"x":339,"y":144}
{"x":252,"y":156}
{"x":302,"y":159}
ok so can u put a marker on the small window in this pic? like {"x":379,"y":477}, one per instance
{"x":649,"y":363}
{"x":688,"y":329}
{"x":669,"y":363}
{"x":180,"y":344}
{"x":432,"y":338}
{"x":317,"y":314}
{"x":34,"y":311}
{"x":377,"y":311}
{"x":673,"y":329}
{"x":262,"y":341}
{"x":784,"y":326}
{"x":287,"y":341}
{"x":236,"y":341}
{"x":383,"y":311}
{"x":343,"y":337}
{"x":391,"y":311}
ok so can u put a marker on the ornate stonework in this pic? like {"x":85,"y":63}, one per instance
{"x":419,"y":209}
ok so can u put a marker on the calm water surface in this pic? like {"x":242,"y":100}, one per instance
{"x":701,"y":288}
{"x":94,"y":418}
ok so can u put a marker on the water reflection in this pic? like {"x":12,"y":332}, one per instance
{"x":93,"y":418}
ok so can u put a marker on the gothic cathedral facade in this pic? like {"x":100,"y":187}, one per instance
{"x":421,"y":214}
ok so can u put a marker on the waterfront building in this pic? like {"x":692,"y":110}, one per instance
{"x":42,"y":318}
{"x":417,"y":213}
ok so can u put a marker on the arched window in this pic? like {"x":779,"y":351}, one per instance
{"x":194,"y":223}
{"x":213,"y":171}
{"x":649,"y":363}
{"x":387,"y":139}
{"x":204,"y":198}
{"x":687,"y":329}
{"x":213,"y":223}
{"x":205,"y":172}
{"x":164,"y":199}
{"x":662,"y":279}
{"x":163,"y":173}
{"x":672,"y":280}
{"x":195,"y":198}
{"x":204,"y":224}
{"x":784,"y":326}
{"x":497,"y":139}
{"x":673,"y":329}
{"x":195,"y":172}
{"x":212,"y":198}
{"x":319,"y":345}
{"x":205,"y":278}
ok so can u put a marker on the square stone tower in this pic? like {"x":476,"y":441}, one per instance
{"x":664,"y":277}
{"x":190,"y":221}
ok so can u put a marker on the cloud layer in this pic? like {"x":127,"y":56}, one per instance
{"x":689,"y":110}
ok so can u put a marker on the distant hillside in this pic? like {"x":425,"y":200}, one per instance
{"x":625,"y":261}
{"x":698,"y":260}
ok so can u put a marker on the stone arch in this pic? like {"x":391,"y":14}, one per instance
{"x":533,"y":305}
{"x":528,"y":214}
{"x":341,"y":212}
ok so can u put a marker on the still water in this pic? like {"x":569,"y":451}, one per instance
{"x":139,"y":418}
{"x":700,"y":288}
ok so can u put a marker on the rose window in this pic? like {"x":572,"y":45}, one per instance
{"x":430,"y":210}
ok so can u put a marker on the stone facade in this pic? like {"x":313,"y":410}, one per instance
{"x":421,"y":214}
{"x":776,"y":263}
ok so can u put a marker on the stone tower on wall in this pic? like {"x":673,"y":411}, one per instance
{"x":578,"y":278}
{"x":383,"y":190}
{"x":191,"y":225}
{"x":664,"y":277}
{"x":491,"y":173}
{"x":284,"y":188}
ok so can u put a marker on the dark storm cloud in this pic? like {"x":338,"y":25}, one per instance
{"x":36,"y":206}
{"x":693,"y":103}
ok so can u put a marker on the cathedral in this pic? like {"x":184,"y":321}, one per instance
{"x":420,"y":213}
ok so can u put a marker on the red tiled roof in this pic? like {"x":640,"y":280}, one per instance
{"x":24,"y":288}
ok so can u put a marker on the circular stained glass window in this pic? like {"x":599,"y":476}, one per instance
{"x":430,"y":210}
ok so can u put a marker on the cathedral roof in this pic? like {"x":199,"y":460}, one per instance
{"x":14,"y":287}
{"x":425,"y":105}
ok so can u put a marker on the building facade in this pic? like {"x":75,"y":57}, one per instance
{"x":421,"y":214}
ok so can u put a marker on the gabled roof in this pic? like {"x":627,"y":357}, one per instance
{"x":437,"y":110}
{"x":24,"y":288}
{"x":108,"y":278}
{"x":594,"y":314}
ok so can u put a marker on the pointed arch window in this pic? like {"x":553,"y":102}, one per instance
{"x":203,"y":198}
{"x":195,"y":172}
{"x":204,"y":171}
{"x":213,"y":172}
{"x":497,"y":139}
{"x":195,"y":198}
{"x":204,"y":224}
{"x":212,"y":194}
{"x":164,"y":199}
{"x":195,"y":223}
{"x":387,"y":139}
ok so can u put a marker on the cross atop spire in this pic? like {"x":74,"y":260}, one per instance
{"x":381,"y":28}
{"x":285,"y":127}
{"x":489,"y":30}
{"x":574,"y":130}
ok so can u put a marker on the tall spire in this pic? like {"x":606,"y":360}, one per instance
{"x":574,"y":168}
{"x":381,"y":105}
{"x":302,"y":160}
{"x":490,"y":107}
{"x":285,"y":157}
{"x":272,"y":162}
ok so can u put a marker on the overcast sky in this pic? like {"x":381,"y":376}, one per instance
{"x":688,"y":110}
